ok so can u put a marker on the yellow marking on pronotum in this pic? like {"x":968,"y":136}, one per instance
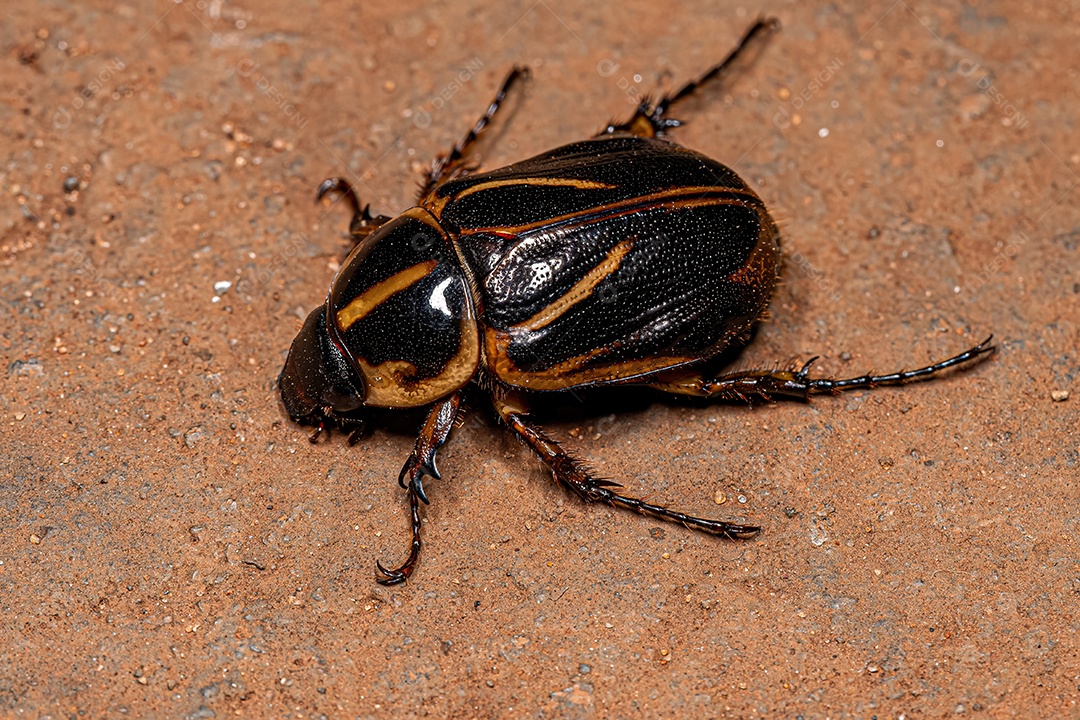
{"x":368,"y":300}
{"x":393,"y":384}
{"x":580,"y":290}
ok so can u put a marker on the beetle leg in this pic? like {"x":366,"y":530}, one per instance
{"x":363,"y":222}
{"x":447,"y":167}
{"x":400,"y":574}
{"x":795,"y":384}
{"x":650,"y":120}
{"x":574,"y":474}
{"x":432,"y":436}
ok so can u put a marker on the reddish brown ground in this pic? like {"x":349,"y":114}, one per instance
{"x":173,"y":546}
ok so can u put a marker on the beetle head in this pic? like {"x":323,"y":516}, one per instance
{"x":318,"y":385}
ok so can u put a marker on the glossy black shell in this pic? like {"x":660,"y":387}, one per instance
{"x":609,"y":259}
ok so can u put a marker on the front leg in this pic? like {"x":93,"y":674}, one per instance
{"x":433,"y":434}
{"x":363,"y":222}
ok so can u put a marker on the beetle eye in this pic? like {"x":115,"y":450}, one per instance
{"x":342,"y":399}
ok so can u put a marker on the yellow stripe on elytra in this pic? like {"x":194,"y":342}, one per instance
{"x":368,"y":300}
{"x":673,"y":199}
{"x":572,"y":372}
{"x":580,"y":290}
{"x":435,"y":204}
{"x":534,"y":182}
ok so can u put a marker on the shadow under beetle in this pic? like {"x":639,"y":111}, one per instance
{"x":621,"y":259}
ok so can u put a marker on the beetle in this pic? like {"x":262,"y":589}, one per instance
{"x":623,"y":259}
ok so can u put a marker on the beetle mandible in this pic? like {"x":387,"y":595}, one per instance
{"x":623,"y":259}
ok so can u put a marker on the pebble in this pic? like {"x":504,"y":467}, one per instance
{"x":1059,"y":395}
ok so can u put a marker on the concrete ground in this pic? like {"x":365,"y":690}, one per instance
{"x":174,"y":547}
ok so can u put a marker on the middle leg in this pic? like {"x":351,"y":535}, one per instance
{"x":449,"y":166}
{"x":652,"y":121}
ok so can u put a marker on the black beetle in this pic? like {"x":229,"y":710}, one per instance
{"x":622,"y":259}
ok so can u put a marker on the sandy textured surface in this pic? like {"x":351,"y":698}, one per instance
{"x":173,"y":546}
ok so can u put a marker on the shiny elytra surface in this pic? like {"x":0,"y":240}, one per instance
{"x":607,"y":259}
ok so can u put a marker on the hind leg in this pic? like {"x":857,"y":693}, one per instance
{"x":795,"y":384}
